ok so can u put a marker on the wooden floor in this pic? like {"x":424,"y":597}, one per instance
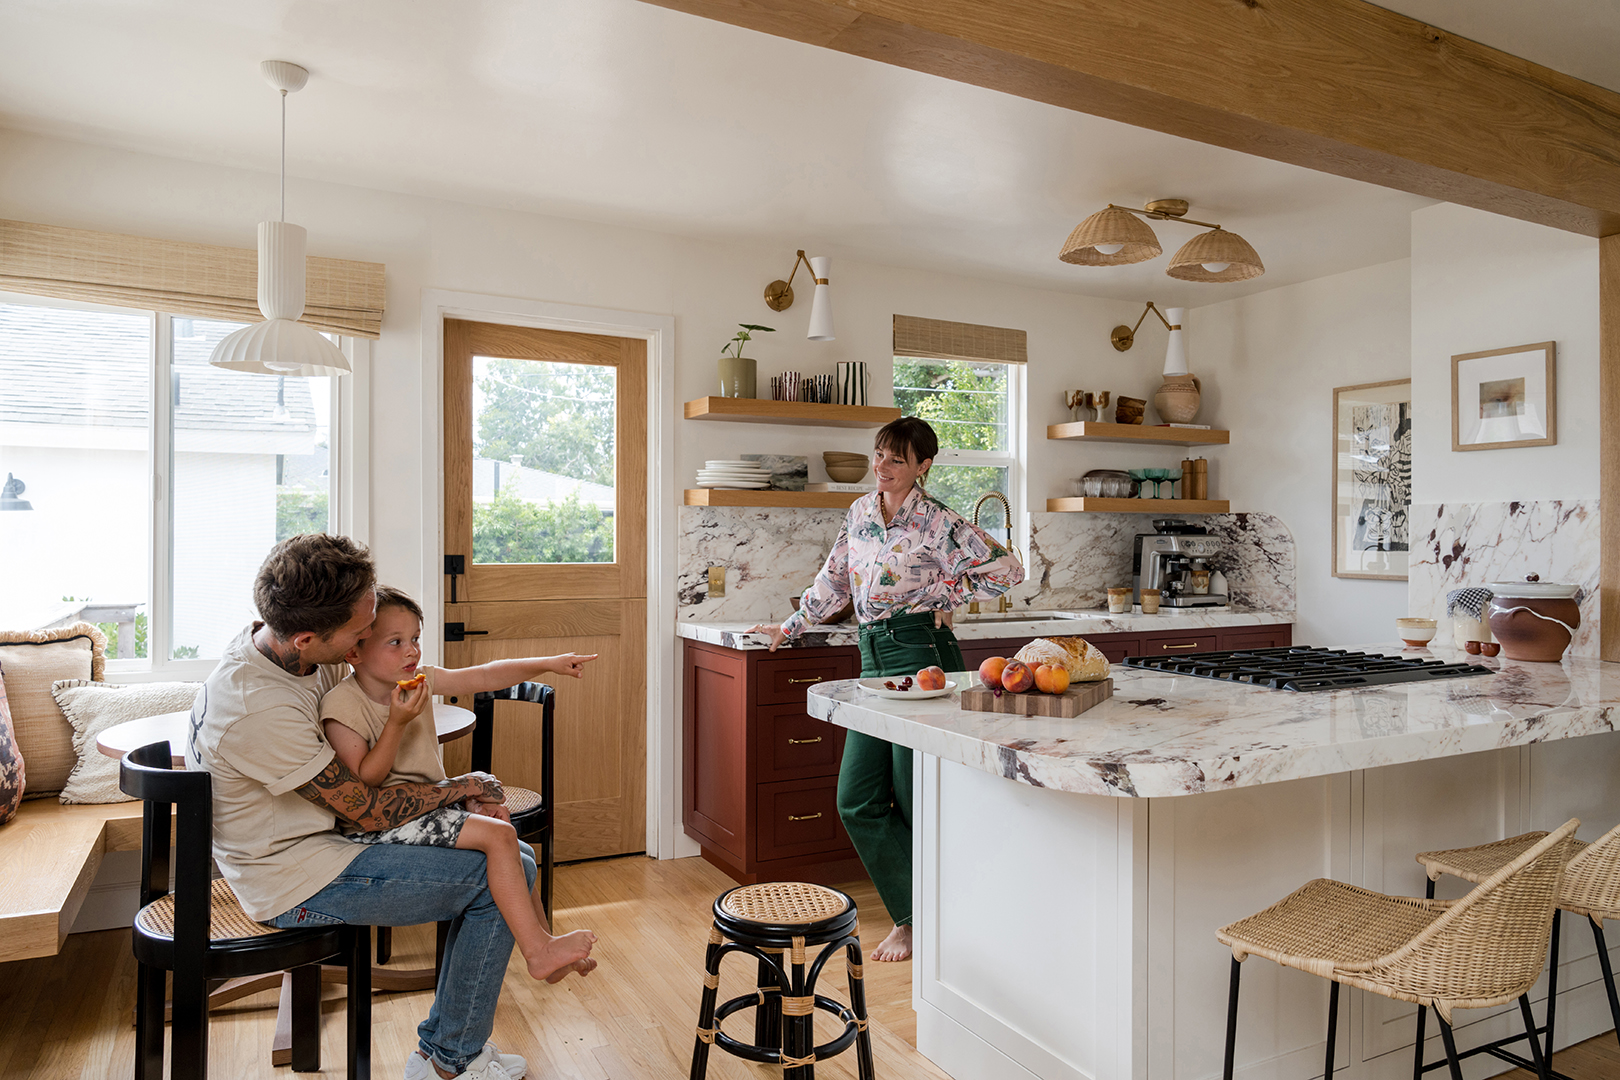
{"x":69,"y":1016}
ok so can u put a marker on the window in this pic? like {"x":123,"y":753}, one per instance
{"x":155,"y":483}
{"x":973,"y":407}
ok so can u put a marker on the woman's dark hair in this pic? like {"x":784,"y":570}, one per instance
{"x":388,"y":596}
{"x":908,"y":436}
{"x":310,"y":583}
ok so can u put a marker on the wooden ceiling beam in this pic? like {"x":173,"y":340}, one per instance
{"x":1339,"y":86}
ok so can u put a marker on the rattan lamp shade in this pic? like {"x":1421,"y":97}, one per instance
{"x":1216,"y":246}
{"x":1106,"y":228}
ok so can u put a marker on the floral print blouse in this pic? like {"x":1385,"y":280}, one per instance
{"x":929,"y":558}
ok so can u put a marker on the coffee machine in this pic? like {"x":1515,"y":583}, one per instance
{"x":1171,"y":560}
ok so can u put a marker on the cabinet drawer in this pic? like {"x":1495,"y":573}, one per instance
{"x":1257,"y":637}
{"x":798,"y":817}
{"x":1169,"y":644}
{"x":784,"y":680}
{"x":792,"y":745}
{"x":1116,"y":646}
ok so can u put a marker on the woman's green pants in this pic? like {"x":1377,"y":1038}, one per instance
{"x":874,"y":781}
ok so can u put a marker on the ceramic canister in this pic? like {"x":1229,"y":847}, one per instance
{"x":1534,"y":620}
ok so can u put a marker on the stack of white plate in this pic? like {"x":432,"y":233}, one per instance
{"x":733,"y":474}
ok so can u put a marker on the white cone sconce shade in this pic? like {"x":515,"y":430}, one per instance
{"x":821,"y":321}
{"x":280,"y":345}
{"x":1111,"y":237}
{"x":1175,"y":354}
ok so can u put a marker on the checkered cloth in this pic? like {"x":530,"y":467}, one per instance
{"x":1470,"y":602}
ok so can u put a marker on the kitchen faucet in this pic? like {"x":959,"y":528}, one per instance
{"x":1003,"y":604}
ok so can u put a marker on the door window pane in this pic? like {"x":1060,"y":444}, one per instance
{"x":250,"y":468}
{"x":544,"y":461}
{"x":74,"y":414}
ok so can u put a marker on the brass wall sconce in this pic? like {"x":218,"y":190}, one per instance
{"x":1114,"y":237}
{"x":779,"y":296}
{"x":1175,"y":352}
{"x":1124,"y":336}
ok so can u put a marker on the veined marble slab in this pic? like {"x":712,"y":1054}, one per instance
{"x":737,"y":635}
{"x":1163,"y":735}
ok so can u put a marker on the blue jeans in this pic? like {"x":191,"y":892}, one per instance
{"x":397,"y":885}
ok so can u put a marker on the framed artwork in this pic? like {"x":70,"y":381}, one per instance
{"x":1372,"y":480}
{"x":1505,"y":397}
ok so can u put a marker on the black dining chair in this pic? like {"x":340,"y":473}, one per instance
{"x":200,"y":933}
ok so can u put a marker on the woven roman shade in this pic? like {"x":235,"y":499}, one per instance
{"x":936,"y":339}
{"x":198,"y":280}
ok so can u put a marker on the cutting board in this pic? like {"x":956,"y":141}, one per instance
{"x":1072,"y":702}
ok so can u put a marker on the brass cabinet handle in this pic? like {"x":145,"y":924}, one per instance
{"x":1189,"y":645}
{"x":813,"y":678}
{"x":804,"y":742}
{"x":804,"y":817}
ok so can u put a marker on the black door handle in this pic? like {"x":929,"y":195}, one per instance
{"x":455,"y":631}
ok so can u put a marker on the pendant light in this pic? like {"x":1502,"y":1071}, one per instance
{"x":281,"y":345}
{"x":1114,"y":237}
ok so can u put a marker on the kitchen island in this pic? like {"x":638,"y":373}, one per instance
{"x":1070,"y":873}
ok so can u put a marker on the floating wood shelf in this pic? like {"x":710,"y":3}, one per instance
{"x":1097,"y":431}
{"x":757,"y":411}
{"x":814,"y":500}
{"x":1137,"y":506}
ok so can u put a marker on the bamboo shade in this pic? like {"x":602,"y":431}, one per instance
{"x":936,"y":339}
{"x":198,"y":280}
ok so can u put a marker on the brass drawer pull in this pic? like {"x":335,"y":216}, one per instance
{"x":804,"y":742}
{"x":813,"y":678}
{"x":804,"y":817}
{"x":1189,"y":645}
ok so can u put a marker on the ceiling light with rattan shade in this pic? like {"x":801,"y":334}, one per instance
{"x":281,"y":345}
{"x":1110,"y":237}
{"x":1216,"y":255}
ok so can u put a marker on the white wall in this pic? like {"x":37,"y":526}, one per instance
{"x":1269,"y":363}
{"x":1482,"y":282}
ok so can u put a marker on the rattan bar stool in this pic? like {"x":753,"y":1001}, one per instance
{"x":1475,"y":953}
{"x":1591,"y":887}
{"x":775,"y":923}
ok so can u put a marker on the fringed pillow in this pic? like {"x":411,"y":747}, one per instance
{"x":93,"y":707}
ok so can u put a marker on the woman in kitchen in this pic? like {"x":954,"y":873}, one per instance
{"x":906,"y":561}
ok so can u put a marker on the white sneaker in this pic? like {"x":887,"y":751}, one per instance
{"x":494,"y":1065}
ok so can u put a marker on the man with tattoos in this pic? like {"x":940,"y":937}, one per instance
{"x":280,"y":790}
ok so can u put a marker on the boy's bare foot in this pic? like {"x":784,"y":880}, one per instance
{"x":897,"y":946}
{"x":580,"y":967}
{"x":559,"y":953}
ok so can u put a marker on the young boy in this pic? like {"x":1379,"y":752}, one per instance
{"x":373,"y":719}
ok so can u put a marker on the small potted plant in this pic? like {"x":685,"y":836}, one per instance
{"x":738,"y":372}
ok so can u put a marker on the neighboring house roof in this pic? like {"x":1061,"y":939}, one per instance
{"x":535,"y":485}
{"x":60,"y":366}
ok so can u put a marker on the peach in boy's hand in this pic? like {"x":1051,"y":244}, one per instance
{"x":572,"y":663}
{"x":408,"y":700}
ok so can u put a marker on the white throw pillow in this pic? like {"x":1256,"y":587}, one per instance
{"x":93,"y":707}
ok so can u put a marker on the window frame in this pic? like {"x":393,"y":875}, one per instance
{"x":347,"y":497}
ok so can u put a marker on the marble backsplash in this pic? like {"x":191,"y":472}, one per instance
{"x":1462,"y":544}
{"x":771,"y":555}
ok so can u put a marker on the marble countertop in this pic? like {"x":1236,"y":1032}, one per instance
{"x":1163,"y":735}
{"x":737,"y":635}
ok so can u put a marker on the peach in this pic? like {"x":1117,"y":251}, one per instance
{"x":1051,"y":679}
{"x":931,"y":678}
{"x":1016,"y":677}
{"x":990,"y":671}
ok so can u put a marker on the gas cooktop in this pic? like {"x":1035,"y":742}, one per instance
{"x":1302,"y":667}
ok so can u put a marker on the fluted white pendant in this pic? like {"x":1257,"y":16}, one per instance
{"x":281,"y":345}
{"x":821,"y":320}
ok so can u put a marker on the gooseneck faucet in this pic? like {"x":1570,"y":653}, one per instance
{"x":1003,"y":604}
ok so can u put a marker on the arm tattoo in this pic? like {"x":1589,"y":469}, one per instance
{"x":365,"y":807}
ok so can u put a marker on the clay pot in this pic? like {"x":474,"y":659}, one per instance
{"x":1534,"y":620}
{"x":1178,"y":399}
{"x":738,"y":376}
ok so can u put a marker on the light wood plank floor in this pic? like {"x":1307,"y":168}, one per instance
{"x":69,"y":1016}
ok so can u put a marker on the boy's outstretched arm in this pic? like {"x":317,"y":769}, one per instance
{"x":499,"y":674}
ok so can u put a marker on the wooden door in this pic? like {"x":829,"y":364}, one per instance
{"x":545,"y":448}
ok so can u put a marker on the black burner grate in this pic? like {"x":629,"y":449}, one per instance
{"x":1305,"y":668}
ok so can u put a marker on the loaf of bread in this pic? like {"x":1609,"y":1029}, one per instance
{"x":1083,"y":660}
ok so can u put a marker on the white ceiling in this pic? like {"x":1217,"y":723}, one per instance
{"x":620,"y":112}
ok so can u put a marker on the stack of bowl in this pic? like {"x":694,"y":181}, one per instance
{"x":845,"y":468}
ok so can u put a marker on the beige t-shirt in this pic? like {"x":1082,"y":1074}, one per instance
{"x":418,"y":760}
{"x":256,"y":728}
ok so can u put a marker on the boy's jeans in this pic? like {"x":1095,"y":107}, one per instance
{"x":399,"y":885}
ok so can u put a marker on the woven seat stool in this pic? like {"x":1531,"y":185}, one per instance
{"x":1475,"y":953}
{"x":776,"y":923}
{"x":1591,"y":887}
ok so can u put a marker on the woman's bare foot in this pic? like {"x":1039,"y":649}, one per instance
{"x":897,"y":946}
{"x":559,"y":953}
{"x":580,"y":967}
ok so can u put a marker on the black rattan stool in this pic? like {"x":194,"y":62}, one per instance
{"x":774,"y":922}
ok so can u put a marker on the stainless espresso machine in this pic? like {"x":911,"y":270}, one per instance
{"x":1167,"y":559}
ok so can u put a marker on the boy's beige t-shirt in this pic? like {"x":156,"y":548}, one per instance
{"x":256,"y":729}
{"x":418,"y":760}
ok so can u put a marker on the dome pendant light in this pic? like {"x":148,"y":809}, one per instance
{"x":281,"y":345}
{"x":1114,"y":237}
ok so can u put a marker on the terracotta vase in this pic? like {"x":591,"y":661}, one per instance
{"x":1534,"y":620}
{"x":1178,"y":399}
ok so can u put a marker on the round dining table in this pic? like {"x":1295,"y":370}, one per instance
{"x":452,"y":722}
